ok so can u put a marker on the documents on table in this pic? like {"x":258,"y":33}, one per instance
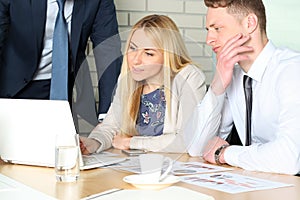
{"x":97,"y":196}
{"x":187,"y":168}
{"x":131,"y":164}
{"x":231,"y":183}
{"x":179,"y":168}
{"x":172,"y":192}
{"x":11,"y":189}
{"x":209,"y":176}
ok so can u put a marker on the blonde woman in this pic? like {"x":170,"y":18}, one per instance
{"x":157,"y":91}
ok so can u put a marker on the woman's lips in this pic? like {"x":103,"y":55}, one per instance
{"x":137,"y":70}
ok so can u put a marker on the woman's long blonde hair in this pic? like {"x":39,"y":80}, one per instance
{"x":165,"y":35}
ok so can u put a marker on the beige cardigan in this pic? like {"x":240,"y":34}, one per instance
{"x":188,"y":89}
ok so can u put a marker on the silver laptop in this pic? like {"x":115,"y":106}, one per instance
{"x":28,"y":129}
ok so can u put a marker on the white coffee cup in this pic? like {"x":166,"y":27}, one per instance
{"x":152,"y":166}
{"x":67,"y":167}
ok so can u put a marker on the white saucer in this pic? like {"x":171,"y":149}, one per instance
{"x":137,"y":181}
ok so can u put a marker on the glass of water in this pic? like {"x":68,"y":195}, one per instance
{"x":67,"y":166}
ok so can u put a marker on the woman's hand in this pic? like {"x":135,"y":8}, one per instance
{"x":121,"y":142}
{"x":88,"y":145}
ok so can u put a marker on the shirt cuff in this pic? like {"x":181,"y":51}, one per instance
{"x":232,"y":153}
{"x":101,"y":117}
{"x":136,"y":143}
{"x":220,"y":100}
{"x":216,"y":101}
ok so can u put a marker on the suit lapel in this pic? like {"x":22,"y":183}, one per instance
{"x":38,"y":17}
{"x":77,"y":20}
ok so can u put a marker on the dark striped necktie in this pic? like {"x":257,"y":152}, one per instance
{"x":247,"y":82}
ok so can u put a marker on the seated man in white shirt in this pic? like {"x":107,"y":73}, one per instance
{"x":237,"y":34}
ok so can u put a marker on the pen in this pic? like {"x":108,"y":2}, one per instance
{"x":94,"y":196}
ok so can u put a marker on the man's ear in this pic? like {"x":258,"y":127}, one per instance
{"x":251,"y":23}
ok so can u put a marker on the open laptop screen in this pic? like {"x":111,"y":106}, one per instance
{"x":28,"y":129}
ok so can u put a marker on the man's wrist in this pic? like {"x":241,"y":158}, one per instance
{"x":219,"y":152}
{"x":217,"y":86}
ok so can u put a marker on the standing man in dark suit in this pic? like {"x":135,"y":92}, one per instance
{"x":26,"y":34}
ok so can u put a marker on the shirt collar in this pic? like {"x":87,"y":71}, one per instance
{"x":260,"y":64}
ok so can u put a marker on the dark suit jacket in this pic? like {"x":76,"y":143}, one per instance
{"x":22,"y":27}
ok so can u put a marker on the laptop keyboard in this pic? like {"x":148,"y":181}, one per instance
{"x":99,"y":158}
{"x":89,"y":160}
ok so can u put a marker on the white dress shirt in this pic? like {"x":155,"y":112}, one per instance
{"x":275,"y":115}
{"x":45,"y":66}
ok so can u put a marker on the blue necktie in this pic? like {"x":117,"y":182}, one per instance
{"x":59,"y":80}
{"x":248,"y":98}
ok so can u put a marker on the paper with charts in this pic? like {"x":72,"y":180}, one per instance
{"x":131,"y":164}
{"x":179,"y":168}
{"x":186,"y":168}
{"x":231,"y":183}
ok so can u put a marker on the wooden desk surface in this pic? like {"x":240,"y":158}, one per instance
{"x":98,"y":180}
